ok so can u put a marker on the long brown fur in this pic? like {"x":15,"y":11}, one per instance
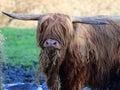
{"x":88,"y":56}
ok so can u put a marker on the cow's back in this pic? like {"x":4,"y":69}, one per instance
{"x":101,"y":45}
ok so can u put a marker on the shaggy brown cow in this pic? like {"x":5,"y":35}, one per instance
{"x":78,"y":52}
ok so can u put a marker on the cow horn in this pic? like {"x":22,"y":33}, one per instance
{"x":88,"y":20}
{"x":23,"y":16}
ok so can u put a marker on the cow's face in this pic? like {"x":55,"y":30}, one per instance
{"x":54,"y":31}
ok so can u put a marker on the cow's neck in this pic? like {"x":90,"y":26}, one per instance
{"x":71,"y":68}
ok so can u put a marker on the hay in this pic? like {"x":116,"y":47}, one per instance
{"x":47,"y":61}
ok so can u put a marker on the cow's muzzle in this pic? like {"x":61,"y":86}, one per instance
{"x":50,"y":43}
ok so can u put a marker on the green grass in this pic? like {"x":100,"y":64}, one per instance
{"x":20,"y":46}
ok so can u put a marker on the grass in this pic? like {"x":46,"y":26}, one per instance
{"x":20,"y":47}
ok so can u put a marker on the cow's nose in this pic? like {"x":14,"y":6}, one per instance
{"x":51,"y":43}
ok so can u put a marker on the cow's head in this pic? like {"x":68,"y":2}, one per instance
{"x":55,"y":30}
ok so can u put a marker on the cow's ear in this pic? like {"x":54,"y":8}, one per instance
{"x":88,"y":20}
{"x":23,"y":16}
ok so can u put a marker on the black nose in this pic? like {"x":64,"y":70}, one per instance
{"x":51,"y":43}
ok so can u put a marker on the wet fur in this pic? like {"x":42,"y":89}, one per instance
{"x":90,"y":54}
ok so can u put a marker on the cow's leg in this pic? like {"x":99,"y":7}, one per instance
{"x":78,"y":86}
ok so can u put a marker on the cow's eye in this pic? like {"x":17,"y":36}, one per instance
{"x":41,"y":30}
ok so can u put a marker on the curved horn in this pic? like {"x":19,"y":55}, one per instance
{"x":23,"y":16}
{"x":88,"y":20}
